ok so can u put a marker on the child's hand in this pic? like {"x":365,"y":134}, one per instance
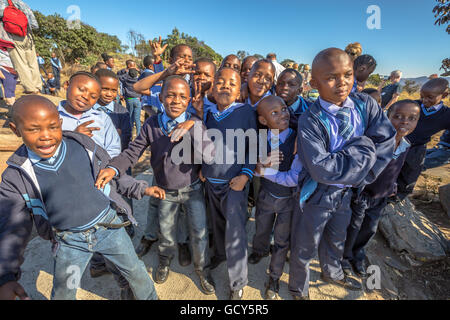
{"x":238,"y":183}
{"x":197,"y":100}
{"x":12,"y":290}
{"x":179,"y":68}
{"x":182,"y":129}
{"x":157,"y":50}
{"x":259,"y":168}
{"x":155,"y":192}
{"x":273,"y":159}
{"x":202,"y":178}
{"x":83,"y":129}
{"x":104,"y":177}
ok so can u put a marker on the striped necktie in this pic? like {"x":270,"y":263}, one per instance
{"x":171,"y":124}
{"x":104,"y":109}
{"x":346,"y":129}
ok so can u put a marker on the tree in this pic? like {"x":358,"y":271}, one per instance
{"x":442,"y":13}
{"x":242,"y":54}
{"x":375,"y":80}
{"x":134,"y":38}
{"x":411,"y":87}
{"x":287,"y":63}
{"x":259,"y":56}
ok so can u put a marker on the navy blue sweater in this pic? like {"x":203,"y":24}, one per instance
{"x":244,"y":118}
{"x":429,"y":125}
{"x":121,"y":120}
{"x":67,"y":185}
{"x":168,"y":175}
{"x":127,"y":86}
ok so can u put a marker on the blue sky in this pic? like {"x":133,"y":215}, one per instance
{"x":408,"y":39}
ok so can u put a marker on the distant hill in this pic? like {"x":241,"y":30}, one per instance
{"x":420,"y":80}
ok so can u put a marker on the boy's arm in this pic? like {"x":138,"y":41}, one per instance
{"x":249,"y":167}
{"x":382,"y":134}
{"x":112,"y":142}
{"x":129,"y":187}
{"x":129,"y":157}
{"x":284,"y":178}
{"x":15,"y":230}
{"x":348,"y":166}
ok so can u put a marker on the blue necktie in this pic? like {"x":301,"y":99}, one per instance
{"x":346,"y":129}
{"x":104,"y":109}
{"x":171,"y":124}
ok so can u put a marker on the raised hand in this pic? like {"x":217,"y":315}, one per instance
{"x":181,"y":130}
{"x":197,"y":100}
{"x":83,"y":129}
{"x":157,"y":48}
{"x":180,"y":68}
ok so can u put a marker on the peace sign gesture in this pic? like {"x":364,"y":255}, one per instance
{"x":179,"y":68}
{"x":197,"y":100}
{"x":157,"y":48}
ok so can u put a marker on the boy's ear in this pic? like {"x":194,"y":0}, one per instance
{"x":262,"y":120}
{"x":13,"y":128}
{"x":313,"y":83}
{"x":445,"y":95}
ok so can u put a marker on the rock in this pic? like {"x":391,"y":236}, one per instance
{"x":444,"y":197}
{"x":410,"y":232}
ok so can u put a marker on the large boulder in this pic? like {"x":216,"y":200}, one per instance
{"x":411,"y":233}
{"x":444,"y":196}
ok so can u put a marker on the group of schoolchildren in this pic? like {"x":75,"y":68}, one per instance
{"x":330,"y":169}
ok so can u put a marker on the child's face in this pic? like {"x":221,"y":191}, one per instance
{"x":110,"y":63}
{"x":431,"y":97}
{"x":82,"y":94}
{"x":246,"y":68}
{"x":260,"y":79}
{"x":232,"y":62}
{"x":131,"y":65}
{"x":204,"y":74}
{"x":363,"y":73}
{"x":274,"y":114}
{"x":40,"y":130}
{"x":334,"y":79}
{"x":109,"y":89}
{"x":289,"y":87}
{"x":184,"y":53}
{"x":404,"y":118}
{"x":227,"y":87}
{"x":50,"y":75}
{"x":176,"y":97}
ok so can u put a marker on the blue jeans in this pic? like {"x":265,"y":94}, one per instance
{"x":73,"y":251}
{"x":437,"y":157}
{"x":193,"y":200}
{"x":134,"y":108}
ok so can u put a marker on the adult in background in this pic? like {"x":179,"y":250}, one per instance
{"x":278,"y":67}
{"x":8,"y":78}
{"x":391,"y":92}
{"x":41,"y":63}
{"x":56,"y":67}
{"x":23,"y":54}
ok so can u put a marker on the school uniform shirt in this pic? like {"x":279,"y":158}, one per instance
{"x":121,"y":120}
{"x":41,"y":61}
{"x":296,"y":110}
{"x":107,"y":137}
{"x":432,"y":120}
{"x":51,"y":83}
{"x":56,"y":63}
{"x":249,"y":102}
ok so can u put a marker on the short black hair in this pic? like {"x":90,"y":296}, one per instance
{"x":169,"y":79}
{"x":295,"y":72}
{"x":438,"y":83}
{"x":206,"y":60}
{"x":257,"y":63}
{"x":369,"y":90}
{"x":365,"y":60}
{"x":106,"y":73}
{"x":399,"y":103}
{"x":175,"y":50}
{"x":148,"y":61}
{"x":85,"y":74}
{"x":98,"y":65}
{"x":129,"y":61}
{"x":106,"y":57}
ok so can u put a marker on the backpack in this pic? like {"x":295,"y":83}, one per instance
{"x":14,"y":20}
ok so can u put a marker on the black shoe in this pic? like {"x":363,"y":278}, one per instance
{"x":206,"y":283}
{"x":360,"y":269}
{"x":215,"y":262}
{"x":346,"y":283}
{"x":237,"y":295}
{"x":347,"y":271}
{"x":162,"y":273}
{"x":184,"y":255}
{"x":126,"y":294}
{"x":300,"y":298}
{"x":272,"y":289}
{"x":99,"y":271}
{"x":144,"y":247}
{"x":255,"y":258}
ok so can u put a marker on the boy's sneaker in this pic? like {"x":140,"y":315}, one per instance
{"x":301,"y":298}
{"x":272,"y":289}
{"x":162,"y":273}
{"x":184,"y":255}
{"x":206,"y":283}
{"x":360,"y":269}
{"x":144,"y":247}
{"x":236,"y":294}
{"x":255,"y":258}
{"x":98,"y":272}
